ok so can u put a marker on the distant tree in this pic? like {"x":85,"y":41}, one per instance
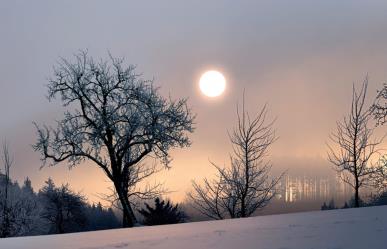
{"x":27,"y":212}
{"x":99,"y":218}
{"x":330,"y":206}
{"x":345,"y":205}
{"x":379,"y":108}
{"x":352,"y":146}
{"x":6,"y":207}
{"x":162,"y":213}
{"x":63,"y":209}
{"x":27,"y":187}
{"x":19,"y":211}
{"x":379,"y":176}
{"x":116,"y":120}
{"x":243,"y":188}
{"x":378,"y":200}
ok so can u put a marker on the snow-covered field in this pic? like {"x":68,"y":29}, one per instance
{"x":336,"y":229}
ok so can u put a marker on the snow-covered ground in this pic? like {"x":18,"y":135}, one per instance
{"x":337,"y":229}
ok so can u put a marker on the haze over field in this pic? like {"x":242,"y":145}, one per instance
{"x":299,"y":57}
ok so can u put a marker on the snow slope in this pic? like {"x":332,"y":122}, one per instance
{"x":336,"y":229}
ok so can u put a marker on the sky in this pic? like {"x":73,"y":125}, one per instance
{"x":299,"y":57}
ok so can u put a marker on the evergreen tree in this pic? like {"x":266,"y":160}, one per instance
{"x":162,"y":213}
{"x":345,"y":205}
{"x":27,"y":187}
{"x":63,"y":209}
{"x":332,"y":205}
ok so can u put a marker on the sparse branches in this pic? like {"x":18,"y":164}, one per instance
{"x":245,"y":186}
{"x":379,"y":176}
{"x":352,"y":147}
{"x":379,"y":108}
{"x":5,"y":205}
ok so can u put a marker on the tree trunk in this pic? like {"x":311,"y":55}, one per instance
{"x":243,"y":207}
{"x":128,"y":218}
{"x":357,"y":203}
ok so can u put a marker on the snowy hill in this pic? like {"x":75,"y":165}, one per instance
{"x":336,"y":229}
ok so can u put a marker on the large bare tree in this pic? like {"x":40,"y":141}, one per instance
{"x":115,"y":119}
{"x":245,"y":186}
{"x":353,"y":147}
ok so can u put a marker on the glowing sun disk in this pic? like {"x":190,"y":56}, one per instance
{"x":212,"y":83}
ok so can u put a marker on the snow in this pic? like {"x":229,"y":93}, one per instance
{"x":334,"y":229}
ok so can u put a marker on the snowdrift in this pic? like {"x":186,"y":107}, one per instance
{"x":335,"y":229}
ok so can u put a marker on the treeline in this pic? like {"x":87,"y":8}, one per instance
{"x":378,"y":199}
{"x":51,"y":210}
{"x":58,"y":209}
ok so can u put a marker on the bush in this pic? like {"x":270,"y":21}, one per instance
{"x":162,"y":213}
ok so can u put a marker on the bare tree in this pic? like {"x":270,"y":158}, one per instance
{"x":353,"y":148}
{"x":379,"y":176}
{"x":244,"y":187}
{"x":6,"y":223}
{"x":211,"y":199}
{"x":18,"y":209}
{"x":116,"y":120}
{"x":379,"y":108}
{"x":379,"y":111}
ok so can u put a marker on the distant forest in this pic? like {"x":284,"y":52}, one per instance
{"x":59,"y":209}
{"x":51,"y":210}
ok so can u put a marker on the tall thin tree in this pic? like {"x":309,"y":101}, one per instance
{"x":352,"y":145}
{"x":5,"y":228}
{"x":245,"y":186}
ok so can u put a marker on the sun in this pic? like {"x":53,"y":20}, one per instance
{"x":212,"y":83}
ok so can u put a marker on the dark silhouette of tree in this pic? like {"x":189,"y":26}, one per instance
{"x":345,"y":205}
{"x":162,"y":213}
{"x":243,"y":188}
{"x":116,"y":120}
{"x":5,"y":205}
{"x":379,"y":176}
{"x":353,"y":148}
{"x":379,"y":199}
{"x":63,"y":209}
{"x":330,"y":206}
{"x":379,"y":108}
{"x":99,"y":218}
{"x":18,"y":207}
{"x":27,"y":187}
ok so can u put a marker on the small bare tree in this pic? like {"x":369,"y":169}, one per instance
{"x":353,"y":148}
{"x":244,"y":187}
{"x":379,"y":111}
{"x":6,"y":223}
{"x":379,"y":108}
{"x":379,"y":176}
{"x":116,"y":120}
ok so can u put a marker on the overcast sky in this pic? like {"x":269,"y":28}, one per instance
{"x":300,"y":57}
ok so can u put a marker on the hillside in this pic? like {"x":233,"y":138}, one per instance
{"x":336,"y":229}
